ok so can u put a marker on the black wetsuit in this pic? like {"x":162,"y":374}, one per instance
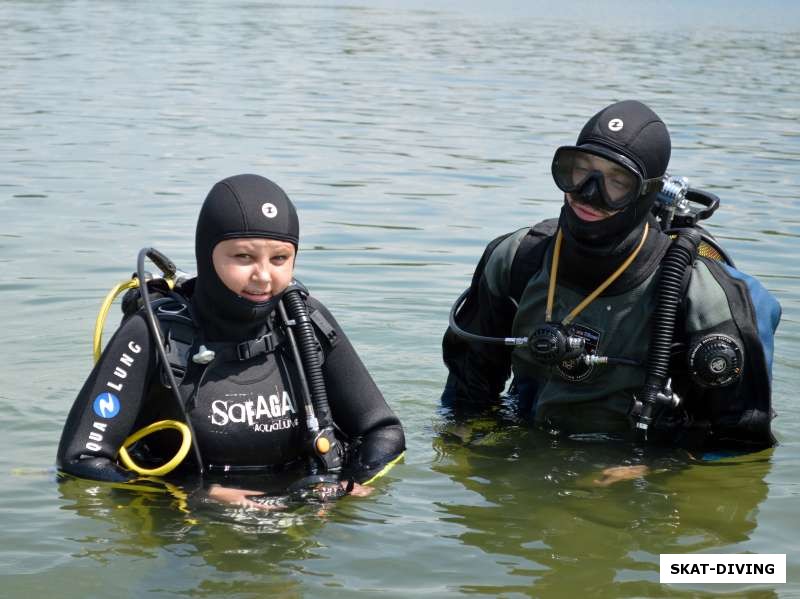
{"x":247,"y":414}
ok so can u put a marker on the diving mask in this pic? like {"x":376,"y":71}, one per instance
{"x":598,"y":176}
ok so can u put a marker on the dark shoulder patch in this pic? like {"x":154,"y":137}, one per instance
{"x":327,"y":330}
{"x":530,"y":254}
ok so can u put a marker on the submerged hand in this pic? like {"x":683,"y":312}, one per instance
{"x":358,"y":490}
{"x":616,"y":474}
{"x":239,"y":497}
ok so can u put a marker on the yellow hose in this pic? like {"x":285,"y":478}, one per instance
{"x":97,"y":344}
{"x":551,"y":289}
{"x":186,"y":443}
{"x":97,"y":349}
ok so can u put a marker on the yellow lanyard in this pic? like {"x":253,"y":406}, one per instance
{"x":551,"y":290}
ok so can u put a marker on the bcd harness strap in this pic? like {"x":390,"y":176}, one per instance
{"x":233,"y":352}
{"x":175,"y":317}
{"x":324,"y":327}
{"x":182,"y":336}
{"x":529,"y":256}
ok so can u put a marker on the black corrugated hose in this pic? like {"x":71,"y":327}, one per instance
{"x":307,"y":344}
{"x":680,"y":256}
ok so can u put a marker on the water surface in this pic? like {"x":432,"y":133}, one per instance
{"x":409,"y":135}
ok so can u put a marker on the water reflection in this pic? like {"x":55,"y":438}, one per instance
{"x":230,"y":550}
{"x":543,"y":515}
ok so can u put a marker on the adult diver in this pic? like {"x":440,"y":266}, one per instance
{"x":255,"y":372}
{"x":623,"y":317}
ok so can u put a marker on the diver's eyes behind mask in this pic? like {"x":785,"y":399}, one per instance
{"x":618,"y":181}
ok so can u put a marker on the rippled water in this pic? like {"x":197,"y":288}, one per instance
{"x":408,"y":136}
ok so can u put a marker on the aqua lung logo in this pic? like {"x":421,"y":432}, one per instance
{"x":107,"y":405}
{"x":577,"y":370}
{"x":615,"y":125}
{"x":263,"y":415}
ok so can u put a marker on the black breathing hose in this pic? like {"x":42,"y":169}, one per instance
{"x":513,"y":341}
{"x":326,"y":451}
{"x":680,"y":256}
{"x":158,"y":336}
{"x":308,"y":407}
{"x":307,"y":345}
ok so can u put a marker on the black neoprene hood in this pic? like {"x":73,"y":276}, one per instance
{"x":245,"y":206}
{"x":630,"y":128}
{"x":239,"y":206}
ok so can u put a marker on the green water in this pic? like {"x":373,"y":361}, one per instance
{"x":409,"y":135}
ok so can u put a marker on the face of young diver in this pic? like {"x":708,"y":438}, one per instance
{"x":254,"y":268}
{"x":615,"y":181}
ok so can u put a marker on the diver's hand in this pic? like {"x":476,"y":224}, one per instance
{"x":239,"y":497}
{"x":357,"y":490}
{"x":616,"y":474}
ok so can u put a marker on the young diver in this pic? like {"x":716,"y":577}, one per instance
{"x":257,"y":390}
{"x":610,"y":325}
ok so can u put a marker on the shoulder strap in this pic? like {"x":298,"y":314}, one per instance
{"x":530,"y":254}
{"x":324,"y":327}
{"x":180,"y":331}
{"x":469,"y":309}
{"x":132,"y":300}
